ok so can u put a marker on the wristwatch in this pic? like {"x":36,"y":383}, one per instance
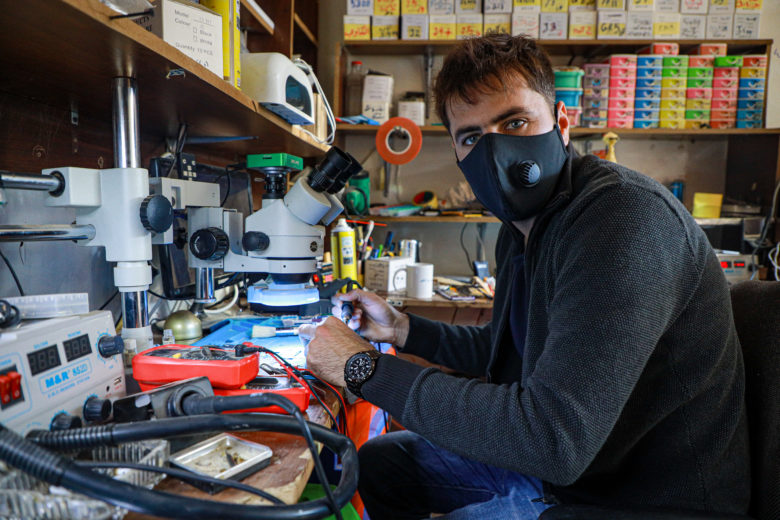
{"x":359,"y":369}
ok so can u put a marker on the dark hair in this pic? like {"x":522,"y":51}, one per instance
{"x":488,"y":64}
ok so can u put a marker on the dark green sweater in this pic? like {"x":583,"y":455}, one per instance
{"x":631,"y":386}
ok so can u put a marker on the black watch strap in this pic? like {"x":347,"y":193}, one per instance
{"x":355,"y":381}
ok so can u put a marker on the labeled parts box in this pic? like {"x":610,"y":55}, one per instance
{"x":553,"y":26}
{"x":441,"y":7}
{"x":387,"y":273}
{"x":357,"y":27}
{"x":191,"y":28}
{"x":384,"y":27}
{"x":360,"y":7}
{"x":525,"y":23}
{"x":442,"y":27}
{"x":414,"y":26}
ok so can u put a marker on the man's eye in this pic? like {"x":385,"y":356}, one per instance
{"x":470,"y":140}
{"x":514,"y":124}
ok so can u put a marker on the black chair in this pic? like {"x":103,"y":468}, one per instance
{"x":756,"y":308}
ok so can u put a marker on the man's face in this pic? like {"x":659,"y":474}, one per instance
{"x":515,"y":110}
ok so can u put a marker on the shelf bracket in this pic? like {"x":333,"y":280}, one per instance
{"x":428,"y":80}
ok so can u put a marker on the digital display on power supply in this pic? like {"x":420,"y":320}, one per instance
{"x":77,"y":347}
{"x":44,"y":359}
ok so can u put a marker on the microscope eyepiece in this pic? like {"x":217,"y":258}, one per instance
{"x":331,"y":174}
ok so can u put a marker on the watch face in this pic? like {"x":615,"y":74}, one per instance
{"x":359,"y":368}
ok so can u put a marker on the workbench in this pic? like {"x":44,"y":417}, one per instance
{"x":439,"y":308}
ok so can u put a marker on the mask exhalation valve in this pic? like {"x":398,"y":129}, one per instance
{"x":528,"y":173}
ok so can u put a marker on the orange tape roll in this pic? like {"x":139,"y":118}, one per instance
{"x":407,"y":128}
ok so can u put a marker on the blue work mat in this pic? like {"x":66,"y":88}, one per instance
{"x":236,"y":331}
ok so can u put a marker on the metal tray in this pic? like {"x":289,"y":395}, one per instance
{"x":224,"y":456}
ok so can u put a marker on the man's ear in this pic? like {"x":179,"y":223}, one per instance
{"x":563,"y":121}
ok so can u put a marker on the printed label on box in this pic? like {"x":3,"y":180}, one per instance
{"x":553,"y":26}
{"x":611,"y":4}
{"x":468,"y":6}
{"x":357,"y":27}
{"x":667,"y":6}
{"x":749,"y":5}
{"x":555,"y":6}
{"x":441,"y":7}
{"x":639,"y":25}
{"x":612,"y":24}
{"x":387,"y":8}
{"x":693,"y":27}
{"x":414,"y":7}
{"x":377,"y":89}
{"x":360,"y":7}
{"x":468,"y":26}
{"x":746,"y":26}
{"x":694,"y":6}
{"x":442,"y":27}
{"x":498,"y":23}
{"x":641,"y":5}
{"x":414,"y":26}
{"x":721,"y":7}
{"x":666,"y":25}
{"x":527,"y":5}
{"x":582,"y":25}
{"x":524,"y":23}
{"x":497,"y":7}
{"x":582,"y":5}
{"x":379,"y":112}
{"x":384,"y":28}
{"x":719,"y":26}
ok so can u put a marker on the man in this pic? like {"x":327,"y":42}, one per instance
{"x":612,"y":373}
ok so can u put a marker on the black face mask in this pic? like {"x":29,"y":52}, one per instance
{"x":515,"y":176}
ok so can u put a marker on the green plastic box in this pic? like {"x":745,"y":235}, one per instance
{"x":568,"y":77}
{"x":697,"y":115}
{"x":699,"y":82}
{"x":676,"y":61}
{"x":315,"y":491}
{"x":700,"y":72}
{"x":274,"y":160}
{"x":728,"y":61}
{"x":674,"y":72}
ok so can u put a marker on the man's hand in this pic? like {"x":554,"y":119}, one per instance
{"x":332,"y":344}
{"x":374,"y":318}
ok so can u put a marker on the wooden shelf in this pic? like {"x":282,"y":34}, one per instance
{"x":305,"y":29}
{"x":65,"y":53}
{"x":258,"y":20}
{"x":579,"y":132}
{"x":553,"y":47}
{"x":437,"y":220}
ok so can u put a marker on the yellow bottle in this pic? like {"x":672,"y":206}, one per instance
{"x":344,"y":251}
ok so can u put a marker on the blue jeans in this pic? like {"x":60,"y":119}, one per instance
{"x":404,"y":476}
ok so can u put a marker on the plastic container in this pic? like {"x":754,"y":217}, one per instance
{"x":672,"y":104}
{"x":725,"y":83}
{"x":750,"y":124}
{"x":622,"y":83}
{"x":595,"y":82}
{"x":674,"y":83}
{"x":574,"y":113}
{"x":647,"y":93}
{"x":597,"y":92}
{"x":623,"y":60}
{"x":698,"y":115}
{"x":707,"y":205}
{"x":723,"y":115}
{"x":722,"y":124}
{"x":355,"y":77}
{"x":596,"y":70}
{"x":749,"y":93}
{"x":674,"y":72}
{"x":750,"y":104}
{"x":701,"y":61}
{"x":673,"y":93}
{"x":667,"y":114}
{"x":672,"y":124}
{"x":622,"y":72}
{"x":568,"y":77}
{"x":750,"y":115}
{"x":728,"y":61}
{"x":728,"y":104}
{"x":620,"y":123}
{"x":698,"y":104}
{"x":752,"y":72}
{"x":647,"y":115}
{"x":620,"y":103}
{"x":650,"y":60}
{"x":699,"y":83}
{"x":594,"y":123}
{"x":675,"y":61}
{"x":711,"y":49}
{"x":594,"y":102}
{"x":627,"y":113}
{"x":569,"y":96}
{"x":594,"y":113}
{"x":646,"y":124}
{"x":621,"y":93}
{"x":692,"y":124}
{"x":700,"y":72}
{"x":648,"y":82}
{"x":647,"y":104}
{"x":649,"y":73}
{"x":755,"y":60}
{"x":699,"y":93}
{"x":724,"y":93}
{"x":752,"y":83}
{"x":725,"y":72}
{"x":667,"y":49}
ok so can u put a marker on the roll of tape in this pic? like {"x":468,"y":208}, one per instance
{"x":408,"y":129}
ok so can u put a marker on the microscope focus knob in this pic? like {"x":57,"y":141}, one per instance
{"x":209,"y":243}
{"x":65,"y":421}
{"x":110,"y":346}
{"x":255,"y":241}
{"x":97,"y":409}
{"x":156,"y":213}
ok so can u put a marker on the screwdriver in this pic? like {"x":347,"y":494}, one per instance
{"x":347,"y":310}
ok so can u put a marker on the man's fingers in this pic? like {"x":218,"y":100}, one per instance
{"x":351,"y":296}
{"x":307,"y":330}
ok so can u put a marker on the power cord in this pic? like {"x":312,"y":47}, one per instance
{"x":9,"y":315}
{"x":463,"y":246}
{"x":307,"y":69}
{"x":13,"y":273}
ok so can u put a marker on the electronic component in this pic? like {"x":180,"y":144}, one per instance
{"x":60,"y":372}
{"x":736,"y":267}
{"x":278,"y":85}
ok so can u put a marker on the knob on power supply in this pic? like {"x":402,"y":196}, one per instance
{"x":65,"y":421}
{"x":97,"y":409}
{"x":110,"y":345}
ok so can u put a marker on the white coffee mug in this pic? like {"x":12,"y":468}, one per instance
{"x":419,"y":281}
